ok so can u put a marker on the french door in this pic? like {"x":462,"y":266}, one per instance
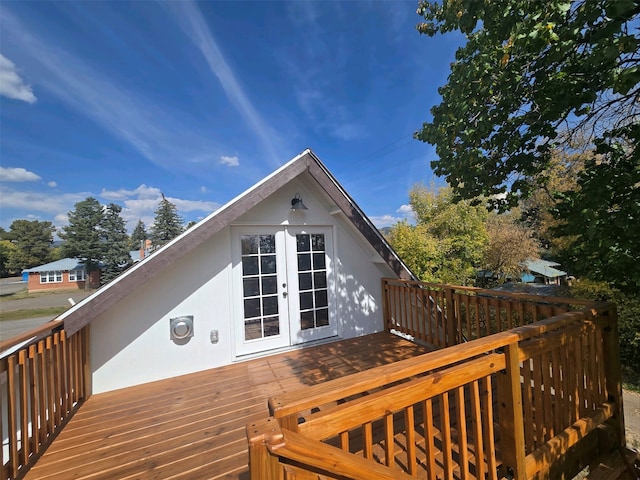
{"x":284,"y":286}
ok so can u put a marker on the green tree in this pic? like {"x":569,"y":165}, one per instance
{"x":167,"y":223}
{"x":449,"y":237}
{"x":6,"y":250}
{"x":528,"y":70}
{"x":418,"y":249}
{"x":139,"y":236}
{"x":115,"y":241}
{"x":82,"y":235}
{"x":33,"y":240}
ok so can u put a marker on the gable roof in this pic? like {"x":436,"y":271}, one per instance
{"x":59,"y":265}
{"x":77,"y":317}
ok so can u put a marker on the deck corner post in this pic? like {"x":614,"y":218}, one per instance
{"x":613,"y":372}
{"x":451,"y":335}
{"x":512,"y":442}
{"x":263,"y":465}
{"x":86,"y":362}
{"x":384,"y":288}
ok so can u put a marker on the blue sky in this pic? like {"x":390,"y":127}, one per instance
{"x":198,"y":101}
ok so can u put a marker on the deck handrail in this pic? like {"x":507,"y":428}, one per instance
{"x":561,"y":374}
{"x":44,"y":378}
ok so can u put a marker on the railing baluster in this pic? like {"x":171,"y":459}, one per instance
{"x":476,"y":418}
{"x":409,"y":422}
{"x":388,"y":440}
{"x":463,"y":451}
{"x":445,"y":433}
{"x":429,"y":436}
{"x":11,"y":416}
{"x":24,"y":409}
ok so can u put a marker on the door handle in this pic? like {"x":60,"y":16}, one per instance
{"x":284,"y":294}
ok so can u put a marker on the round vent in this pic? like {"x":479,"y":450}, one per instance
{"x":182,"y":327}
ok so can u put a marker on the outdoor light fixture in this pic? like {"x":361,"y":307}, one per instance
{"x":296,"y":203}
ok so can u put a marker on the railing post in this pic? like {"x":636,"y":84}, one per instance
{"x":86,"y":361}
{"x":612,"y":371}
{"x":512,"y":444}
{"x":451,"y":337}
{"x":263,"y":465}
{"x":385,"y":304}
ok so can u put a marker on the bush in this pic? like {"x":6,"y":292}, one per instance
{"x":628,"y":323}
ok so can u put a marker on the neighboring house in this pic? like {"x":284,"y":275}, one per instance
{"x":543,"y":271}
{"x":291,"y":261}
{"x":68,"y":273}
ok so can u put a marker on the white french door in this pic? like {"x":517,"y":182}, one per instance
{"x":284,"y":286}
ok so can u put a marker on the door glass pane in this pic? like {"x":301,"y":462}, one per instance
{"x":259,"y":286}
{"x":250,"y":266}
{"x":268,"y":264}
{"x":269,"y":285}
{"x":304,"y":281}
{"x":312,"y":280}
{"x":251,"y":287}
{"x":304,"y":262}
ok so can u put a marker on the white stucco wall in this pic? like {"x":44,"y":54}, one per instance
{"x":130,"y":343}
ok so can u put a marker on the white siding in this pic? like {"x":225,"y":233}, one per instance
{"x":130,"y":343}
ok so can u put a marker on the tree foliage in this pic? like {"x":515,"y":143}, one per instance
{"x":448,"y":240}
{"x":32,"y":240}
{"x":6,"y":250}
{"x":82,"y":235}
{"x":139,"y":236}
{"x":510,"y":245}
{"x":167,"y":223}
{"x":528,"y":71}
{"x":453,"y":240}
{"x":113,"y":233}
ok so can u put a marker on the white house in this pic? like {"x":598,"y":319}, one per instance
{"x":255,"y":277}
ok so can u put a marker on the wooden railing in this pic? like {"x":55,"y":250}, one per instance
{"x":44,"y":377}
{"x":438,"y":415}
{"x":445,"y":315}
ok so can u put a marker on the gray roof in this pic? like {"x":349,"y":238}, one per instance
{"x":544,"y":267}
{"x":59,"y":265}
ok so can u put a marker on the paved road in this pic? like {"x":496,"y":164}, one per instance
{"x":10,"y":286}
{"x":11,"y":328}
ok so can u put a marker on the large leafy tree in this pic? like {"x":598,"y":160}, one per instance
{"x":529,"y":70}
{"x":82,"y":235}
{"x":115,"y":241}
{"x":167,"y":223}
{"x":32,"y":240}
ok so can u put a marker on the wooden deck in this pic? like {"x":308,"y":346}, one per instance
{"x":193,"y":427}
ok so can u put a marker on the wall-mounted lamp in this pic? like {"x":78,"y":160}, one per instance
{"x":296,"y":203}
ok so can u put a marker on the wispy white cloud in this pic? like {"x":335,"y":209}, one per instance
{"x":193,"y":24}
{"x":15,"y":174}
{"x":167,"y":138}
{"x":52,"y":184}
{"x":385,"y":220}
{"x":405,"y":210}
{"x":230,"y":161}
{"x":11,"y":83}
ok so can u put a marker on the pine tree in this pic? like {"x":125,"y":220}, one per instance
{"x":167,"y":224}
{"x":82,"y":235}
{"x":32,"y":240}
{"x":115,"y":240}
{"x":139,"y":236}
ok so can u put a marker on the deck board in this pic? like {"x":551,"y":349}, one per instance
{"x":193,"y":426}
